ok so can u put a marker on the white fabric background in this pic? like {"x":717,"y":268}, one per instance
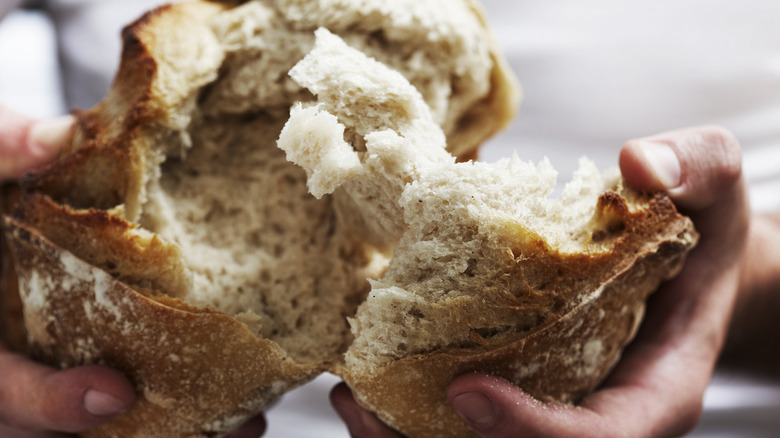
{"x":595,"y":74}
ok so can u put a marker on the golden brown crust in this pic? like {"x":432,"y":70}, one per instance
{"x":108,"y":242}
{"x":566,"y":356}
{"x":105,"y":162}
{"x":186,"y":386}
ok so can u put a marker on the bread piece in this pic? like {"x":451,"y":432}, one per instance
{"x":489,"y":272}
{"x":175,"y":242}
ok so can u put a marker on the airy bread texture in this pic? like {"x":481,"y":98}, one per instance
{"x":176,"y":242}
{"x":489,"y":272}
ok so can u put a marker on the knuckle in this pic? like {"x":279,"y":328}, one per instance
{"x":724,"y":144}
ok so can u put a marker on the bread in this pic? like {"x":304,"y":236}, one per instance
{"x":177,"y":243}
{"x":489,"y":273}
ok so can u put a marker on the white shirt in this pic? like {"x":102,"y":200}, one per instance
{"x":595,"y":74}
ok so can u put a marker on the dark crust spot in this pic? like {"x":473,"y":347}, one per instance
{"x":612,"y":217}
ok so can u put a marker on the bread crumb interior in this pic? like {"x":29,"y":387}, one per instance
{"x":477,"y":242}
{"x":258,"y":245}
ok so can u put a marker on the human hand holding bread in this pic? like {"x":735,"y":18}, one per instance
{"x":149,"y":275}
{"x":657,"y":387}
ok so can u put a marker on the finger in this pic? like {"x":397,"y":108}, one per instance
{"x":360,"y":422}
{"x":655,"y":391}
{"x":494,"y":408}
{"x":251,"y":429}
{"x":26,"y":143}
{"x":36,"y":397}
{"x":694,"y":165}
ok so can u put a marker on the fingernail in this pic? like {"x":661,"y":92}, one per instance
{"x":50,"y":135}
{"x":102,"y":405}
{"x":475,"y":408}
{"x":664,"y":163}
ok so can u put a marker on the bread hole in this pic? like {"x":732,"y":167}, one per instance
{"x":277,"y":228}
{"x":254,"y":238}
{"x":206,"y":91}
{"x":456,"y":86}
{"x":486,"y":333}
{"x":216,"y":209}
{"x":598,"y":236}
{"x":613,"y":229}
{"x":541,"y":286}
{"x":379,"y":39}
{"x":265,"y":276}
{"x":616,"y":227}
{"x":110,"y":266}
{"x":489,"y":332}
{"x":471,"y":266}
{"x":289,"y":179}
{"x":415,"y":312}
{"x":547,"y":280}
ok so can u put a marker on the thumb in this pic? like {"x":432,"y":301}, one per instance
{"x":495,"y":408}
{"x":701,"y":170}
{"x":695,"y":166}
{"x":26,"y":143}
{"x":36,"y":397}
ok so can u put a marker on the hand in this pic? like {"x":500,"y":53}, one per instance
{"x":26,"y":143}
{"x":657,"y":387}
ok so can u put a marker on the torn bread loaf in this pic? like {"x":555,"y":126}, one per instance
{"x":488,"y":272}
{"x":178,"y":244}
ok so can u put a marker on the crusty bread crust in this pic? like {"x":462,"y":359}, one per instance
{"x":563,"y":358}
{"x":199,"y":371}
{"x":110,"y":157}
